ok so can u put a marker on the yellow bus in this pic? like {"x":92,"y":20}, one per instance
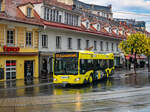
{"x":81,"y":67}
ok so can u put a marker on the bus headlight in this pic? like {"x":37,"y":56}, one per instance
{"x":77,"y":79}
{"x":55,"y":79}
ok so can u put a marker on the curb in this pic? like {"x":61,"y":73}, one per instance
{"x":36,"y":85}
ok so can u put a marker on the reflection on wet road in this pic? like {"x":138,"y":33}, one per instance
{"x":116,"y":94}
{"x":111,"y":84}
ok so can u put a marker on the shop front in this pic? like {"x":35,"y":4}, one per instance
{"x":18,"y":65}
{"x":140,"y":60}
{"x":45,"y":64}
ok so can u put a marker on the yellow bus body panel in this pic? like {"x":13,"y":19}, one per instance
{"x":81,"y":78}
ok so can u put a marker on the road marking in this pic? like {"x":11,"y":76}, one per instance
{"x":86,"y":97}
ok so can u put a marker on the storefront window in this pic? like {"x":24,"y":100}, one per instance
{"x":11,"y":69}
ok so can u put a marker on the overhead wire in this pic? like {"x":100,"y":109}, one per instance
{"x":132,"y":13}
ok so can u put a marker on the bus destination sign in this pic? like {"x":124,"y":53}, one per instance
{"x":66,"y":55}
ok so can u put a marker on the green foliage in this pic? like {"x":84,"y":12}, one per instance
{"x":147,"y":47}
{"x":135,"y":43}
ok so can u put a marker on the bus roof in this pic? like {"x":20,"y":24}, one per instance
{"x":84,"y":52}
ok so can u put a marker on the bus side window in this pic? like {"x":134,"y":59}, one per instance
{"x":82,"y":66}
{"x":95,"y":64}
{"x":112,"y":63}
{"x":105,"y":64}
{"x":108,"y":64}
{"x":89,"y":64}
{"x":101,"y":63}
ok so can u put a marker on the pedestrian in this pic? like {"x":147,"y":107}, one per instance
{"x":126,"y":65}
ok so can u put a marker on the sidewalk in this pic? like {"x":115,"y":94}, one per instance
{"x":127,"y":72}
{"x":7,"y":104}
{"x":20,"y":84}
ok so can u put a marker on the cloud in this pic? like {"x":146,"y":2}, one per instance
{"x":128,"y":9}
{"x":122,"y":4}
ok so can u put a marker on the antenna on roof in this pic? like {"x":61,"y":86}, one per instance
{"x":89,"y":49}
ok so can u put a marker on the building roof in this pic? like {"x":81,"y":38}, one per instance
{"x":13,"y":13}
{"x":103,"y":32}
{"x":92,"y":6}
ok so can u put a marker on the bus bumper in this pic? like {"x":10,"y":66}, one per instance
{"x":76,"y":80}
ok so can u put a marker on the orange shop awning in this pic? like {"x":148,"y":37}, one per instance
{"x":137,"y":56}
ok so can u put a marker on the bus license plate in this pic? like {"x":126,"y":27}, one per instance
{"x":65,"y":77}
{"x":65,"y":82}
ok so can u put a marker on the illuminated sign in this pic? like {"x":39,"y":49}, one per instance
{"x":66,"y":55}
{"x":11,"y":49}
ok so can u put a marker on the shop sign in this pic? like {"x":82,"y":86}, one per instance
{"x":11,"y":49}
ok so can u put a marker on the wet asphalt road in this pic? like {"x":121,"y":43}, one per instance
{"x":119,"y":93}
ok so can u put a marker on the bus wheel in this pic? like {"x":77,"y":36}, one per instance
{"x":90,"y":79}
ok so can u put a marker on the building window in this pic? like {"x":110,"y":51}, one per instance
{"x":10,"y":37}
{"x":28,"y":38}
{"x":71,"y":19}
{"x":69,"y":43}
{"x":58,"y":42}
{"x":110,"y":31}
{"x":123,"y":32}
{"x":87,"y":25}
{"x":11,"y":69}
{"x":95,"y":45}
{"x":59,"y":19}
{"x":52,"y":14}
{"x":98,"y":27}
{"x":47,"y":14}
{"x":100,"y":13}
{"x":117,"y":49}
{"x":29,"y":12}
{"x":79,"y":43}
{"x":44,"y":41}
{"x":87,"y":43}
{"x":107,"y":46}
{"x":112,"y":46}
{"x":101,"y":45}
{"x":103,"y":14}
{"x":56,"y":16}
{"x":117,"y":32}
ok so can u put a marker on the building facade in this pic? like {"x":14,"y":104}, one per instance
{"x":138,"y":25}
{"x":19,"y":34}
{"x":31,"y":31}
{"x":69,"y":28}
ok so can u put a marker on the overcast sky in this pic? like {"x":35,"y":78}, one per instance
{"x":129,"y":9}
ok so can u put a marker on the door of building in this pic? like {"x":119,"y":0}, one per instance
{"x":1,"y":73}
{"x":28,"y":70}
{"x":10,"y":69}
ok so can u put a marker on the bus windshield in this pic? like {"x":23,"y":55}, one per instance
{"x":66,"y":66}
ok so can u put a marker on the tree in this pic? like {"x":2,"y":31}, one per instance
{"x":147,"y":52}
{"x":135,"y":44}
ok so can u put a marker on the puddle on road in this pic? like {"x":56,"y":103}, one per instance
{"x":112,"y":84}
